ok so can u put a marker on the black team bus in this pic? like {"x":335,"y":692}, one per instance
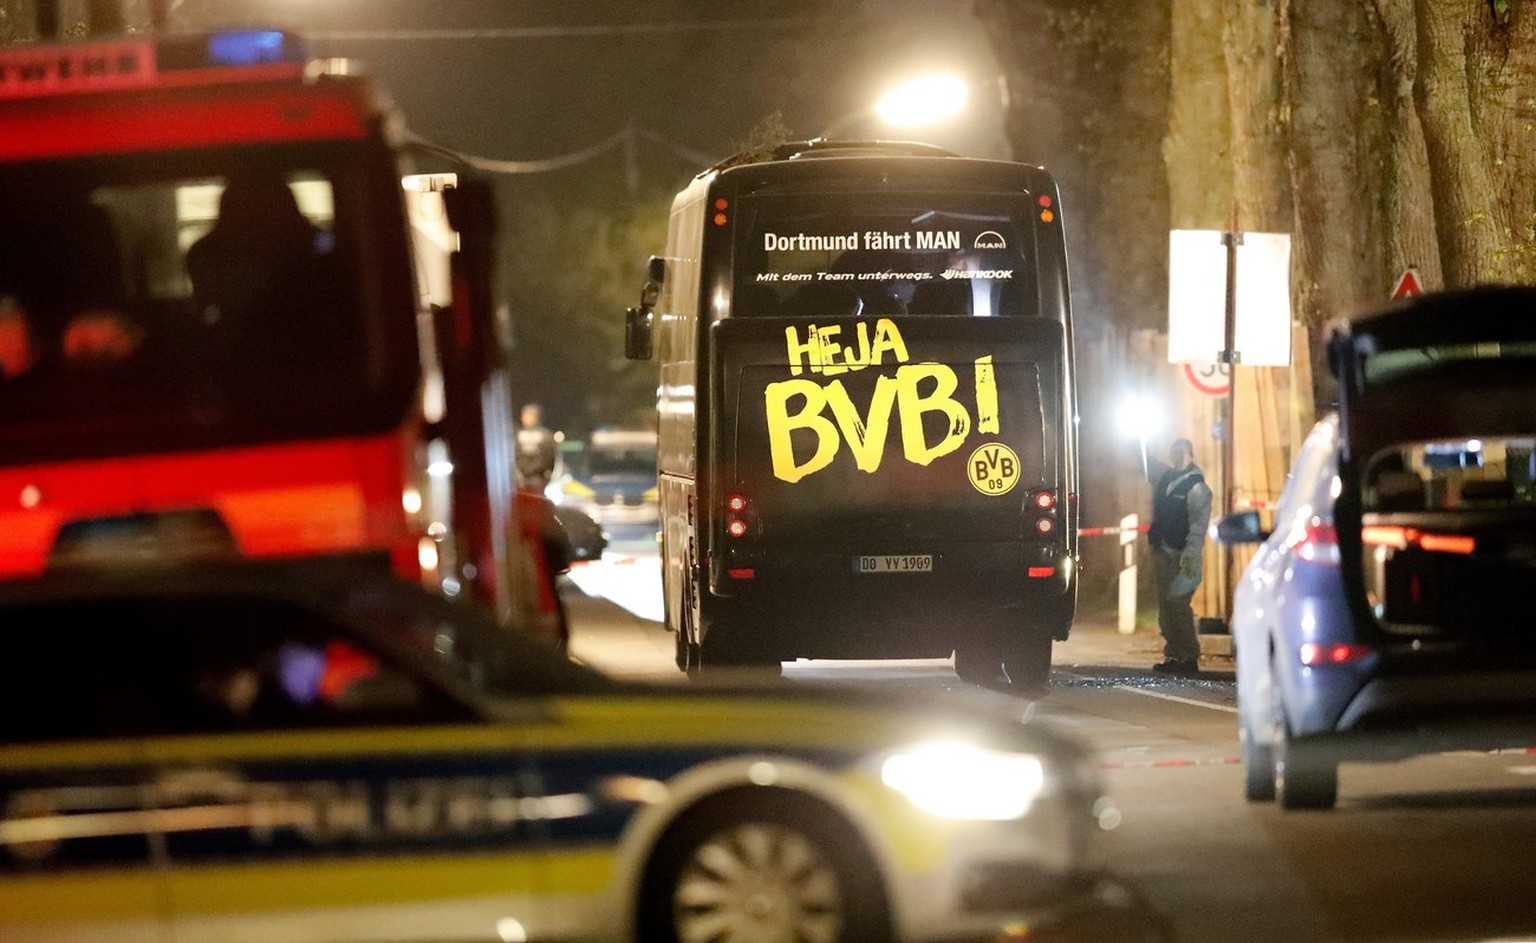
{"x":868,"y":445}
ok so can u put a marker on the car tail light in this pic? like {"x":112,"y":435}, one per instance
{"x":1045,"y":525}
{"x":736,"y":503}
{"x":1314,"y":654}
{"x":1318,"y":543}
{"x":1401,"y":538}
{"x":1045,"y":500}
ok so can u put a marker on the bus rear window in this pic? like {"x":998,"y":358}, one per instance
{"x":873,"y":254}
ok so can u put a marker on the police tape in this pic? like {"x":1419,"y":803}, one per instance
{"x":1096,"y":531}
{"x":1253,"y":504}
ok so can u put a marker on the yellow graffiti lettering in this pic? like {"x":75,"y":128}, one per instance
{"x":986,"y":396}
{"x":782,"y":425}
{"x":810,"y":350}
{"x":865,"y":437}
{"x":887,"y":338}
{"x":914,"y":404}
{"x":830,"y":349}
{"x":820,"y":351}
{"x":860,"y":359}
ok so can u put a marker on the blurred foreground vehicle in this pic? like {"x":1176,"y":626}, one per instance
{"x":273,"y":754}
{"x":227,"y":323}
{"x":1391,"y":611}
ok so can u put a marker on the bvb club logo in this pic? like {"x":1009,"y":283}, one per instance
{"x":993,"y":469}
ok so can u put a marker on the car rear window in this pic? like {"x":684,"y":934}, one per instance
{"x":1392,"y":364}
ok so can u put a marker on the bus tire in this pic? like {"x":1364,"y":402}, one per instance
{"x":1027,"y":664}
{"x":724,"y":650}
{"x":687,"y":654}
{"x":1021,"y":665}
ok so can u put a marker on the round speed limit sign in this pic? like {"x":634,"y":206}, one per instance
{"x":1212,"y":379}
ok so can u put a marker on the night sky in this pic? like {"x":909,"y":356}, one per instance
{"x":703,"y":86}
{"x":695,"y":77}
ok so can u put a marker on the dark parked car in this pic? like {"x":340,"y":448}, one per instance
{"x":1392,"y":609}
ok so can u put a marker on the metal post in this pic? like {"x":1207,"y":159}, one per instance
{"x":1129,"y":529}
{"x":1230,"y":357}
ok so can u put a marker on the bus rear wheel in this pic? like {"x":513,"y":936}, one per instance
{"x":1021,"y":665}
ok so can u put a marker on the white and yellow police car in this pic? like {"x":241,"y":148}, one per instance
{"x":251,"y":755}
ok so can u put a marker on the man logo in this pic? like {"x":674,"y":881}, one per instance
{"x":990,"y":240}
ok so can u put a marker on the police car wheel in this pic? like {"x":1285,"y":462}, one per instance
{"x":769,"y":865}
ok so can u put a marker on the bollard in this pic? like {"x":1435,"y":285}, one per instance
{"x":1129,"y":527}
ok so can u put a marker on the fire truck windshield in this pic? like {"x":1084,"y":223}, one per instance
{"x":201,"y":298}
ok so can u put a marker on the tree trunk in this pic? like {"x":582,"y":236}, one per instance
{"x":18,"y":21}
{"x":1260,"y":181}
{"x":1456,"y":55}
{"x":1407,"y":205}
{"x":1197,"y":151}
{"x":1334,"y":58}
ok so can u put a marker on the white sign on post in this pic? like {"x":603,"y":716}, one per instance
{"x":1197,"y":298}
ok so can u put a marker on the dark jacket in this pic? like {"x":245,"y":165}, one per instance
{"x":1181,"y":509}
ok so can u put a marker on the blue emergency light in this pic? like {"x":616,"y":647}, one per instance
{"x":231,"y":49}
{"x":250,"y":47}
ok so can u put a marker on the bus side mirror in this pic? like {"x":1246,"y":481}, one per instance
{"x":637,"y":333}
{"x":638,"y":321}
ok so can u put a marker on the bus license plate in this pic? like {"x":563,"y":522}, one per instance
{"x":908,"y":563}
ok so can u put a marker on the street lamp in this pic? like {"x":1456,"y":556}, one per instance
{"x":923,"y":100}
{"x":1140,"y":416}
{"x":919,"y":101}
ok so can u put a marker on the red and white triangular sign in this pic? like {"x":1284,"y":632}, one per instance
{"x":1408,"y":284}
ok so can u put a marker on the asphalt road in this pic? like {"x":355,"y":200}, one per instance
{"x":1437,"y":848}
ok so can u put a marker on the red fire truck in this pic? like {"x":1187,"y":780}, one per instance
{"x":232,"y":322}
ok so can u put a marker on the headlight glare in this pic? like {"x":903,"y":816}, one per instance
{"x":962,"y":781}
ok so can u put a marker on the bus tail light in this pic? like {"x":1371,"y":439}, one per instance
{"x":1042,"y":505}
{"x":738,"y":521}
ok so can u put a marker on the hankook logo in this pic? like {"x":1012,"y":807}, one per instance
{"x":990,"y":240}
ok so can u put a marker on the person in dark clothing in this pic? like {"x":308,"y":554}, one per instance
{"x":62,"y":286}
{"x":1181,"y":511}
{"x":264,"y":274}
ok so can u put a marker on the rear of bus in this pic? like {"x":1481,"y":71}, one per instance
{"x":889,"y":420}
{"x":150,"y":388}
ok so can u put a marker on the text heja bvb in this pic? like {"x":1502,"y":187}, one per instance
{"x":821,"y":351}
